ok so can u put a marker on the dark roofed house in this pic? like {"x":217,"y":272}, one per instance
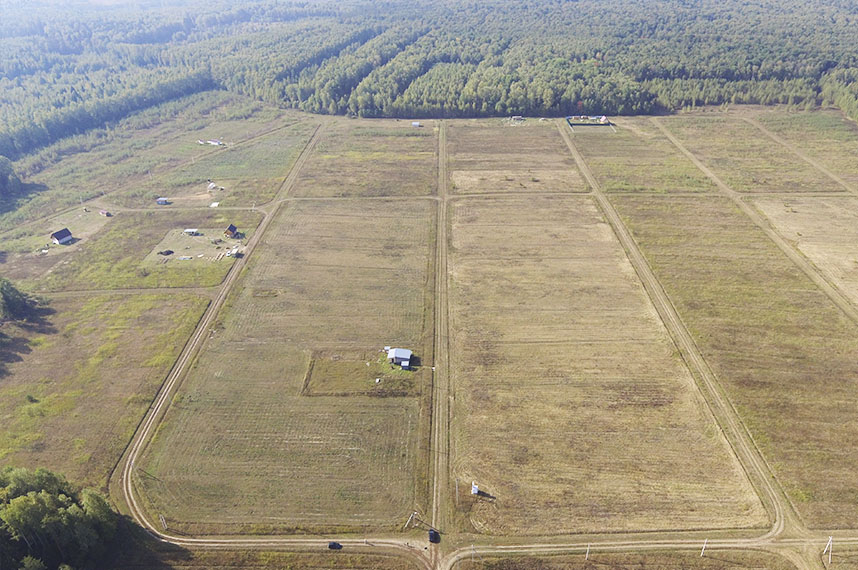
{"x":230,"y":231}
{"x":61,"y":237}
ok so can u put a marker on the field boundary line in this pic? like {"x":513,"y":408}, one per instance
{"x":722,"y":410}
{"x":192,"y":348}
{"x":442,"y":405}
{"x":799,"y":153}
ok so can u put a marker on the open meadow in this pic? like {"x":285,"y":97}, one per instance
{"x":744,"y":157}
{"x":573,"y":411}
{"x":280,"y":424}
{"x":74,"y":385}
{"x":717,"y":560}
{"x":147,"y":144}
{"x":360,"y":157}
{"x":494,"y":155}
{"x":635,"y":156}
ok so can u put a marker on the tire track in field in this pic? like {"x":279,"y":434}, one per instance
{"x":796,"y":151}
{"x":441,"y":405}
{"x":724,"y":414}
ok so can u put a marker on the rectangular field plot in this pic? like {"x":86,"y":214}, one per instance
{"x":781,"y":349}
{"x":74,"y":387}
{"x":637,"y":157}
{"x":492,"y":156}
{"x":719,"y":560}
{"x":241,"y":172}
{"x":573,"y":409}
{"x":825,"y":136}
{"x":256,"y":439}
{"x":124,"y":254}
{"x":371,"y":158}
{"x":744,"y":157}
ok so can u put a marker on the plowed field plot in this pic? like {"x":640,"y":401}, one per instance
{"x":825,"y":136}
{"x":241,"y":173}
{"x":718,"y":560}
{"x":745,"y":158}
{"x":74,"y":387}
{"x":246,"y":445}
{"x":115,"y":257}
{"x":490,"y":156}
{"x":573,"y":409}
{"x":823,"y":229}
{"x":638,"y":158}
{"x":781,"y":349}
{"x":371,"y":158}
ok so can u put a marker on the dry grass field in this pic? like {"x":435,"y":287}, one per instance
{"x":362,"y":157}
{"x":115,"y":258}
{"x":825,"y":229}
{"x":572,"y":408}
{"x":825,"y":136}
{"x":248,"y":171}
{"x":744,"y":157}
{"x":74,"y":387}
{"x":492,"y":155}
{"x":782,"y":350}
{"x":152,"y":142}
{"x":714,"y":560}
{"x":637,"y":157}
{"x":246,"y":445}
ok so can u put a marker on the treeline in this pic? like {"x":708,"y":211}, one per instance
{"x":47,"y":523}
{"x":67,"y":71}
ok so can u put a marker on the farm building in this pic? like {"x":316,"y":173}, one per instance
{"x":190,"y":231}
{"x":61,"y":237}
{"x":399,"y":356}
{"x":231,"y":231}
{"x":416,"y":124}
{"x":161,"y":201}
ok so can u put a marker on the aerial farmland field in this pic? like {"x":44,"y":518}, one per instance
{"x":573,"y":410}
{"x":530,"y":260}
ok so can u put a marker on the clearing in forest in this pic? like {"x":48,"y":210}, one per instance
{"x":280,"y":424}
{"x":489,"y":156}
{"x":572,"y":407}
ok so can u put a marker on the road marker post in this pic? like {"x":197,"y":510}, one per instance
{"x":704,"y":547}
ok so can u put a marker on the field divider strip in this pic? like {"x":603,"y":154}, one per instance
{"x":796,"y":151}
{"x":441,"y":376}
{"x":722,"y":410}
{"x":193,"y":346}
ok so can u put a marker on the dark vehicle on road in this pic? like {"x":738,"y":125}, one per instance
{"x":335,"y":546}
{"x":434,"y":536}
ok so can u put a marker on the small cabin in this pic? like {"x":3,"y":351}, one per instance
{"x":400,"y":357}
{"x":62,"y":237}
{"x":231,"y":231}
{"x":190,"y":231}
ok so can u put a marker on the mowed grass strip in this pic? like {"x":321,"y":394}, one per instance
{"x":827,"y":136}
{"x":376,"y":157}
{"x":637,"y":157}
{"x":783,"y":352}
{"x":744,"y":158}
{"x":488,"y":156}
{"x":74,"y":387}
{"x":825,"y":229}
{"x":572,"y":407}
{"x":242,"y":449}
{"x":114,"y":258}
{"x":715,"y":560}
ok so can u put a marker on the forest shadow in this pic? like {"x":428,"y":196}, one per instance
{"x":14,"y":347}
{"x":27,"y":190}
{"x":135,"y":547}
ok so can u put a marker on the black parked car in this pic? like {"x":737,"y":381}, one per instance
{"x":434,"y":536}
{"x":335,"y":546}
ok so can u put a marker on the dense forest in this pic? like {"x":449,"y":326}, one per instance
{"x":64,"y":70}
{"x":47,"y":523}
